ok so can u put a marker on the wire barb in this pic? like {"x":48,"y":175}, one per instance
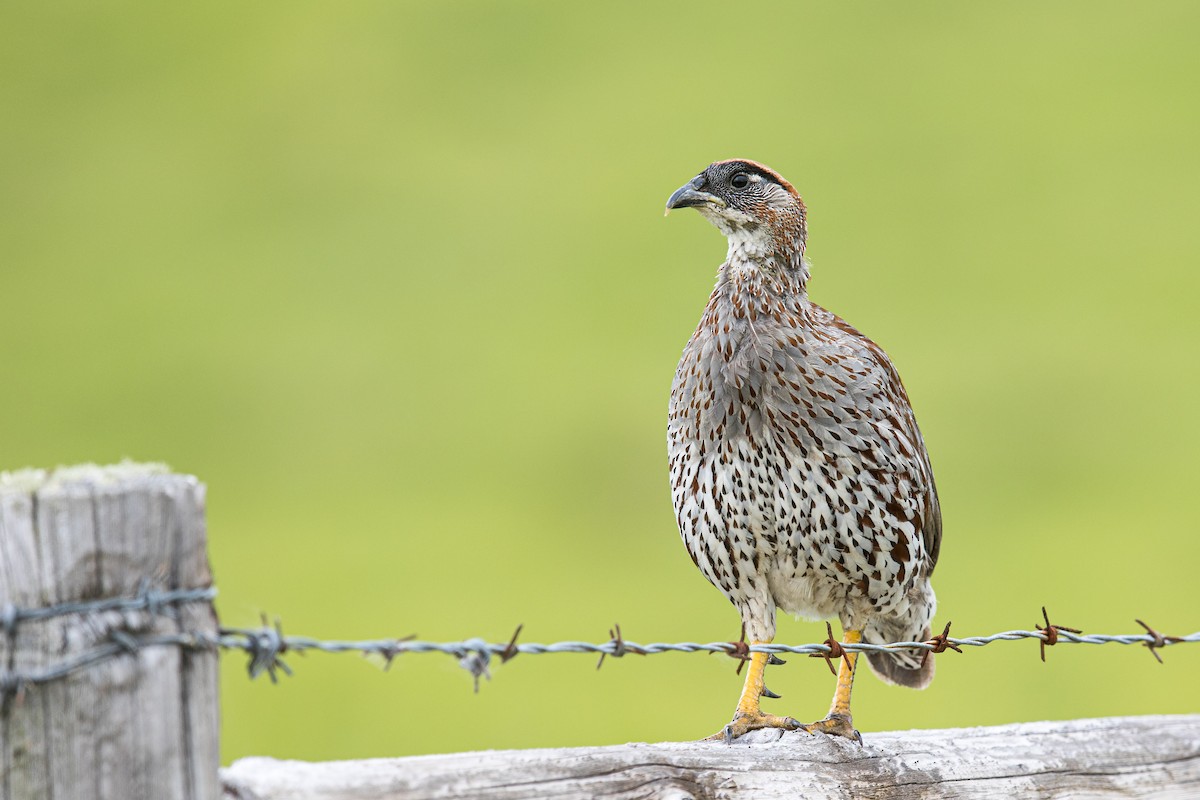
{"x":1050,"y":633}
{"x":618,"y":645}
{"x":475,"y":657}
{"x":389,"y":650}
{"x":940,"y":644}
{"x":510,"y":652}
{"x":835,"y":649}
{"x":1159,"y":640}
{"x":266,"y":646}
{"x":739,"y":650}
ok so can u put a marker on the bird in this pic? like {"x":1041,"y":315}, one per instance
{"x":799,"y":477}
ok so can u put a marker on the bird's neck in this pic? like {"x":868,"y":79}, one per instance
{"x":759,"y":264}
{"x":757,"y":292}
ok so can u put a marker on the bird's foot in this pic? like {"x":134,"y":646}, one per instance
{"x":835,"y":725}
{"x":744,"y":722}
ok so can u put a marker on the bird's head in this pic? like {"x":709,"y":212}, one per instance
{"x":757,"y":210}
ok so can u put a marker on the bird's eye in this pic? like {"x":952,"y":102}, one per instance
{"x":740,"y":180}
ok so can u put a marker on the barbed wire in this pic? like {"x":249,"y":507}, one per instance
{"x":266,"y":645}
{"x":147,"y":599}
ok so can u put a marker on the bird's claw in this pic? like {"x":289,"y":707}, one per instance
{"x":743,"y":723}
{"x":835,"y":725}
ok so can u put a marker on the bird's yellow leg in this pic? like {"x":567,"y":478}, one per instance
{"x":839,"y":722}
{"x":749,"y":716}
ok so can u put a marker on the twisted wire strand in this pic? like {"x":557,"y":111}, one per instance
{"x":266,"y":645}
{"x":241,"y":638}
{"x":146,"y":599}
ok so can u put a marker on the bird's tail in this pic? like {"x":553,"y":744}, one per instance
{"x":912,"y":668}
{"x":903,"y":668}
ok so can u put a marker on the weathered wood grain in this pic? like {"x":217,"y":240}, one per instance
{"x":1143,"y":757}
{"x":140,"y":725}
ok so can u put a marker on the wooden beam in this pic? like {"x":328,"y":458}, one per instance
{"x":1144,"y":757}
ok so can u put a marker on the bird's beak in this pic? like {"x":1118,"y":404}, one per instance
{"x":690,"y":195}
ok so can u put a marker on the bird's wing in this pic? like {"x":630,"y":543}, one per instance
{"x":932,"y":532}
{"x":862,"y":413}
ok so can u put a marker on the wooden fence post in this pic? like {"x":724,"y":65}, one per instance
{"x":142,"y":723}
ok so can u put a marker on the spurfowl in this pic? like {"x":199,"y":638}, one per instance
{"x":798,"y":474}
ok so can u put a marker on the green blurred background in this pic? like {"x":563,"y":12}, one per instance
{"x":393,"y":280}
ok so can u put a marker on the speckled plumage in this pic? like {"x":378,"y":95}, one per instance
{"x":798,"y":473}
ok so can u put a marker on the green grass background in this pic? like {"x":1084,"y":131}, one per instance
{"x":393,"y":280}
